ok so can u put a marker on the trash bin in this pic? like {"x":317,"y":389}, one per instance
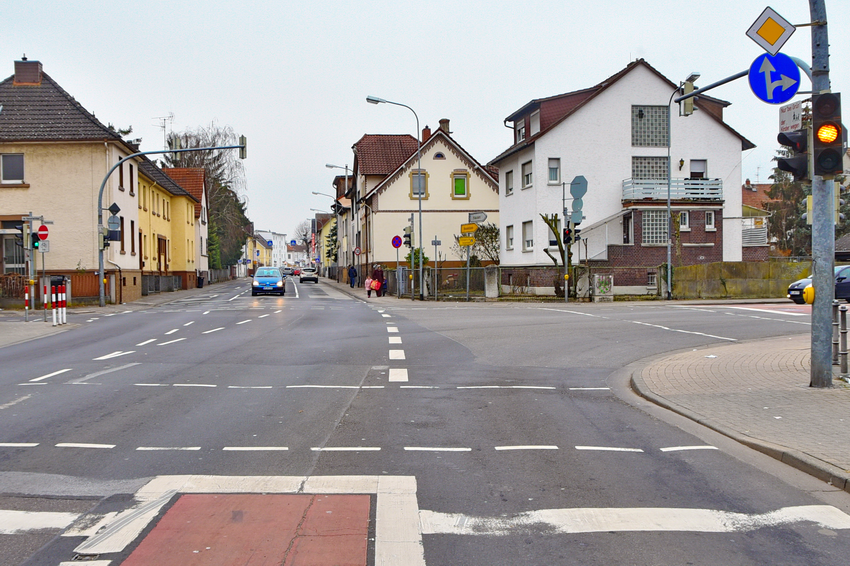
{"x":56,"y":280}
{"x":200,"y":282}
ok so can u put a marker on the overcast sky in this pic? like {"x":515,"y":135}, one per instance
{"x":293,"y":76}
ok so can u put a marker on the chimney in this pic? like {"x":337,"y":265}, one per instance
{"x":426,"y":133}
{"x":27,"y":72}
{"x":444,"y":125}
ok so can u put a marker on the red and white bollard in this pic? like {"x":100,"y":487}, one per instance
{"x":62,"y":301}
{"x":53,"y":302}
{"x":45,"y":299}
{"x":26,"y":303}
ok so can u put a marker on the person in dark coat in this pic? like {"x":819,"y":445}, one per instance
{"x":378,"y":275}
{"x":352,"y":276}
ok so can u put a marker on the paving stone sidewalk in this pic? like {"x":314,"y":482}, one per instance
{"x":758,"y":393}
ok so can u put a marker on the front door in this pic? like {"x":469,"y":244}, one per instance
{"x":162,"y":254}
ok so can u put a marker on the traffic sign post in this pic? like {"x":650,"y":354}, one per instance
{"x":774,"y":79}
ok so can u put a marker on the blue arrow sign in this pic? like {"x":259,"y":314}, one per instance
{"x":774,"y":79}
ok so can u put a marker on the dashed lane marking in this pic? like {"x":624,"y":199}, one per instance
{"x":527,"y":447}
{"x":168,"y":448}
{"x":85,"y":378}
{"x":436,"y":449}
{"x":146,"y":342}
{"x":172,"y":331}
{"x":170,"y":342}
{"x":398,"y":374}
{"x":346,"y":449}
{"x":15,"y":402}
{"x":608,"y":449}
{"x":49,"y":375}
{"x":85,"y":445}
{"x":114,"y":355}
{"x":392,"y":329}
{"x":395,"y":339}
{"x":213,"y":330}
{"x":255,"y":448}
{"x":681,"y":448}
{"x":397,"y":354}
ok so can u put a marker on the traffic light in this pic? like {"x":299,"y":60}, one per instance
{"x":36,"y":241}
{"x":20,"y":238}
{"x":828,"y":138}
{"x":408,"y":236}
{"x":243,"y":151}
{"x":798,"y":162}
{"x":568,"y":234}
{"x":576,"y":234}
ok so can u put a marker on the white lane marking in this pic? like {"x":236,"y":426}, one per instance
{"x":418,"y":387}
{"x":398,"y":374}
{"x":244,"y":321}
{"x":18,"y":444}
{"x":190,"y":323}
{"x":544,"y":387}
{"x":638,"y":519}
{"x":103,"y":372}
{"x":346,"y":449}
{"x":254,"y":448}
{"x":387,"y":315}
{"x":608,"y":449}
{"x":172,"y":331}
{"x":170,"y":342}
{"x":15,"y":402}
{"x":590,"y":389}
{"x":392,"y":329}
{"x":114,"y":355}
{"x":682,"y":331}
{"x":395,"y":339}
{"x":435,"y":449}
{"x":263,"y":316}
{"x":206,"y":312}
{"x":236,"y":297}
{"x":213,"y":330}
{"x":166,"y":448}
{"x":195,"y":385}
{"x":151,"y":385}
{"x":275,"y":312}
{"x":84,"y":445}
{"x":49,"y":375}
{"x":572,"y":312}
{"x":678,"y":448}
{"x":334,"y":387}
{"x":397,"y":354}
{"x":146,"y":342}
{"x":249,"y":386}
{"x":18,"y":522}
{"x":764,"y":311}
{"x":528,"y":447}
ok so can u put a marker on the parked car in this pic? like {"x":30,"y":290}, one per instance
{"x":308,"y":274}
{"x":268,"y":280}
{"x":842,"y":285}
{"x":287,"y":271}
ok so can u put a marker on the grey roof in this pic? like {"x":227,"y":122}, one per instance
{"x":153,"y":172}
{"x":46,"y":112}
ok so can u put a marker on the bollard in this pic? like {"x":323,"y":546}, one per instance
{"x":53,"y":302}
{"x":835,"y":304}
{"x":842,"y":351}
{"x":26,"y":303}
{"x":62,"y":318}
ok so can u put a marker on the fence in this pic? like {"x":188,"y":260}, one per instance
{"x":153,"y":284}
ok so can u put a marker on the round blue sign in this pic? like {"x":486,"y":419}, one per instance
{"x":396,"y":241}
{"x":774,"y":79}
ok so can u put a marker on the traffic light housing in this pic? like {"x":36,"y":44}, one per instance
{"x":798,"y":162}
{"x":827,"y":134}
{"x":408,"y":236}
{"x":20,"y":239}
{"x":36,"y":241}
{"x":568,"y":234}
{"x":243,"y":150}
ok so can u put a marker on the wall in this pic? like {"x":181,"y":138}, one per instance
{"x":737,"y":280}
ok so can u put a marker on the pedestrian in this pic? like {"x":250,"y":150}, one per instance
{"x":352,"y":276}
{"x":368,"y":287}
{"x":378,"y":277}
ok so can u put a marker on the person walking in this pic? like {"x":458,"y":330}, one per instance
{"x":378,"y":276}
{"x":368,"y":287}
{"x":352,"y":276}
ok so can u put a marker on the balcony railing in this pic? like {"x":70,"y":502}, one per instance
{"x":656,"y":189}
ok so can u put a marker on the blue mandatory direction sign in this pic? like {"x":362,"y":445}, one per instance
{"x":774,"y":79}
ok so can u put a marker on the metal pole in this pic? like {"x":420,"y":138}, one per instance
{"x":842,"y":349}
{"x":835,"y":332}
{"x":669,"y":212}
{"x":468,"y":250}
{"x":436,"y":274}
{"x":397,"y":276}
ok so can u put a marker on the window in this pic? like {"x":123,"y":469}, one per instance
{"x":526,"y":175}
{"x":418,"y":184}
{"x":649,"y":168}
{"x":132,"y":237}
{"x":460,"y":185}
{"x":122,"y":234}
{"x":535,"y":122}
{"x":650,"y":126}
{"x":132,"y":189}
{"x":628,"y":227}
{"x":519,"y":127}
{"x":439,"y":155}
{"x":509,"y":237}
{"x":684,"y":221}
{"x":120,"y":174}
{"x":698,"y":168}
{"x":527,"y":236}
{"x":654,"y":227}
{"x":554,"y":171}
{"x":12,"y":168}
{"x":709,"y":221}
{"x":509,"y":183}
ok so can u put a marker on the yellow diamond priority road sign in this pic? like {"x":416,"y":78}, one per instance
{"x":770,"y":31}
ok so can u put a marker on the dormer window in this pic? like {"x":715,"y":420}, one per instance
{"x":519,"y":126}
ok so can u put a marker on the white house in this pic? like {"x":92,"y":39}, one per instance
{"x":278,"y":246}
{"x":615,"y":134}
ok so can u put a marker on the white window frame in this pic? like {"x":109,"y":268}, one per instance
{"x":10,"y":181}
{"x":519,"y":128}
{"x":710,"y":226}
{"x":684,"y":221}
{"x":509,"y":237}
{"x":527,"y":236}
{"x":527,"y":175}
{"x":555,"y":166}
{"x":509,"y":183}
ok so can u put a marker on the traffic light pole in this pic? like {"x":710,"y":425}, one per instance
{"x":823,"y":224}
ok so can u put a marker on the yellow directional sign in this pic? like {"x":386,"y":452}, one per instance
{"x":468,"y":228}
{"x":466,"y":240}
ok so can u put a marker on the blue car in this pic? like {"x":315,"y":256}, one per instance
{"x":842,"y":285}
{"x":268,"y":280}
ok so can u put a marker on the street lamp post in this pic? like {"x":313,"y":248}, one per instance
{"x":691,"y":78}
{"x":336,"y":219}
{"x":420,"y":188}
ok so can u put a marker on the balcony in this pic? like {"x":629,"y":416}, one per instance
{"x":680,"y":189}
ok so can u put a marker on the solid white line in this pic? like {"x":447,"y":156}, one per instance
{"x":254,"y":448}
{"x":244,"y":321}
{"x":418,"y":387}
{"x":170,"y":342}
{"x":15,"y":402}
{"x":544,"y":387}
{"x":571,"y":312}
{"x":590,"y":389}
{"x":527,"y":447}
{"x":678,"y":448}
{"x":50,"y":375}
{"x":114,"y":355}
{"x":346,"y":449}
{"x":18,"y":444}
{"x":397,"y":354}
{"x":165,"y":448}
{"x":398,"y":374}
{"x":275,"y":312}
{"x":768,"y":311}
{"x":323,"y":387}
{"x":195,"y":385}
{"x":17,"y":522}
{"x":83,"y":445}
{"x":683,"y":331}
{"x":608,"y":449}
{"x":172,"y":331}
{"x":392,"y":329}
{"x":395,"y":339}
{"x":249,"y":386}
{"x":236,"y":297}
{"x":213,"y":330}
{"x":151,"y":385}
{"x":435,"y":449}
{"x":147,"y":342}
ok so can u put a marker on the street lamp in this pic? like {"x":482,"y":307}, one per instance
{"x":691,"y":78}
{"x":420,"y":189}
{"x":336,"y":221}
{"x":345,"y":167}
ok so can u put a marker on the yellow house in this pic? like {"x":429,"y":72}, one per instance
{"x":258,"y":252}
{"x":324,"y":256}
{"x":166,"y":233}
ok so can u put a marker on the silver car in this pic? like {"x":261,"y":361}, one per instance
{"x":308,"y":274}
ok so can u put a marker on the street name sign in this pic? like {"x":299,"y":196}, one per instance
{"x":774,"y":79}
{"x":477,"y":216}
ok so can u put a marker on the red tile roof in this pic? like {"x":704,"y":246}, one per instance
{"x":756,"y":195}
{"x":381,"y":154}
{"x":191,"y":179}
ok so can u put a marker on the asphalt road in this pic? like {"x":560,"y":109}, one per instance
{"x":514,"y":419}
